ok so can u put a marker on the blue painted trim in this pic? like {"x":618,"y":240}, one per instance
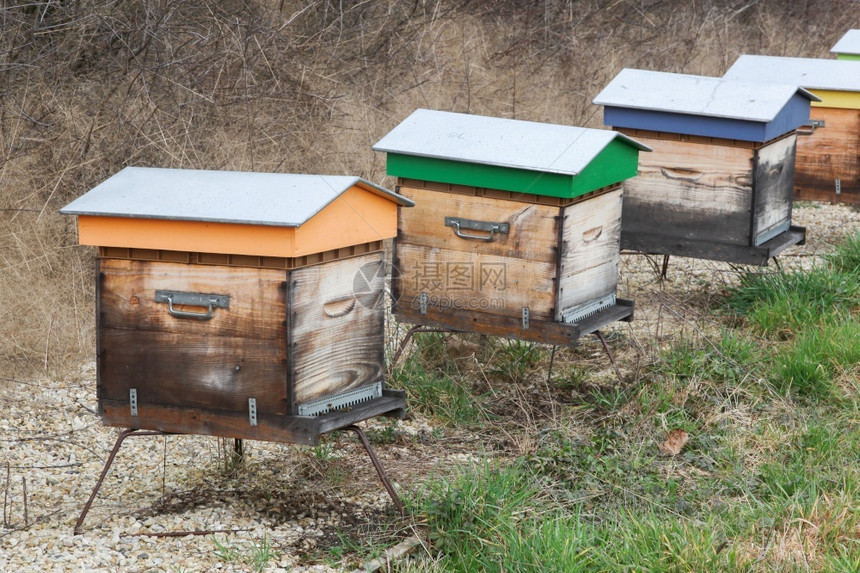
{"x":793,"y":115}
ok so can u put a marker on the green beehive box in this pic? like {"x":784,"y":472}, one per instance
{"x":516,"y":227}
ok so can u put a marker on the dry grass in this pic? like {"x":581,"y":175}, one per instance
{"x":298,"y":86}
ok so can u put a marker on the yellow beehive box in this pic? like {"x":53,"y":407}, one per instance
{"x":828,"y":151}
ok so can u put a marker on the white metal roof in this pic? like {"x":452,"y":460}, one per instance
{"x":698,"y":95}
{"x":273,"y":199}
{"x":500,"y":142}
{"x":848,"y":44}
{"x":810,"y":73}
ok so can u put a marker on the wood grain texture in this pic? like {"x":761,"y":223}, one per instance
{"x":540,"y":331}
{"x":193,"y":370}
{"x":773,"y":186}
{"x":211,"y":364}
{"x":185,"y":420}
{"x":711,"y":250}
{"x":303,"y":430}
{"x":337,"y":326}
{"x":829,"y":153}
{"x":533,"y":228}
{"x":257,"y":298}
{"x":700,"y":192}
{"x":591,"y":242}
{"x":457,"y":280}
{"x":392,"y":404}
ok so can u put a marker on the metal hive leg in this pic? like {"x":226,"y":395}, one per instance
{"x":409,"y":334}
{"x":383,"y":477}
{"x":665,"y":268}
{"x":120,"y":439}
{"x":599,"y":336}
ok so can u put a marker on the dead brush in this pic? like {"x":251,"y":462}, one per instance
{"x":89,"y":87}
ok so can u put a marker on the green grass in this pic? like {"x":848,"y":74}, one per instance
{"x":845,"y":258}
{"x":610,"y":502}
{"x":812,"y":364}
{"x":256,"y":556}
{"x":514,"y":359}
{"x":500,"y":519}
{"x":440,"y":394}
{"x":769,"y":480}
{"x":816,"y":312}
{"x":780,"y":304}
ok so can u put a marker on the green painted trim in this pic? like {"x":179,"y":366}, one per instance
{"x":618,"y":161}
{"x":478,"y":175}
{"x":850,"y":57}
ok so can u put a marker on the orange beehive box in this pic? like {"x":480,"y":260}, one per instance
{"x":244,"y":305}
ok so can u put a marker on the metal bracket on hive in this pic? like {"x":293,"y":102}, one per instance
{"x":342,"y":400}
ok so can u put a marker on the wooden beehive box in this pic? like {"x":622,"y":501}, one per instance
{"x":244,"y":305}
{"x":516,"y":225}
{"x":848,"y":47}
{"x":828,"y":152}
{"x":718,"y":184}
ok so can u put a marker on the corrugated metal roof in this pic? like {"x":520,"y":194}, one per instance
{"x":500,"y":142}
{"x":810,"y":73}
{"x":848,"y":44}
{"x":698,"y":95}
{"x":272,"y":199}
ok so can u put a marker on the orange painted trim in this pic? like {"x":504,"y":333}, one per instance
{"x":186,"y":236}
{"x":355,"y":217}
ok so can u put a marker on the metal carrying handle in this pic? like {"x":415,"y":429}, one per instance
{"x":486,"y":226}
{"x":811,"y":127}
{"x":210,"y":301}
{"x":188,"y":314}
{"x":489,"y":238}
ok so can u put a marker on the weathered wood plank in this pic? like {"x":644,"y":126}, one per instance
{"x":337,"y":326}
{"x":546,"y":332}
{"x":193,"y":370}
{"x":219,"y":363}
{"x":591,"y":241}
{"x":186,"y":420}
{"x":458,"y":280}
{"x":485,"y":192}
{"x":533,"y":228}
{"x":541,"y":331}
{"x":390,"y":404}
{"x":257,"y":298}
{"x":830,"y":153}
{"x":701,"y":192}
{"x":711,"y":250}
{"x":773,"y":187}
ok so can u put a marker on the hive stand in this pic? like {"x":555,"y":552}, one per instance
{"x":420,"y":329}
{"x":399,"y":412}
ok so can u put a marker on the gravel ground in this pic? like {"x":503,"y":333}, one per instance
{"x":290,"y":499}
